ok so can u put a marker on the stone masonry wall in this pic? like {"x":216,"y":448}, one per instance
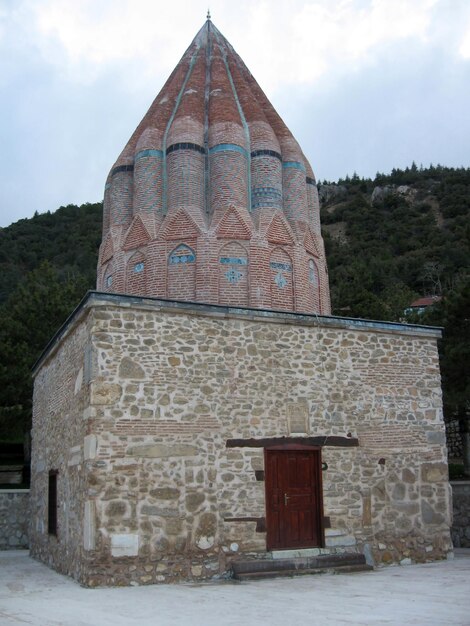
{"x":164,"y":494}
{"x":461,"y":517}
{"x":59,"y":440}
{"x":14,"y":518}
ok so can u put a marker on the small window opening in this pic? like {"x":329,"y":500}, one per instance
{"x":52,"y":503}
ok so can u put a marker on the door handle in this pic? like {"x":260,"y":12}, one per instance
{"x":286,"y":498}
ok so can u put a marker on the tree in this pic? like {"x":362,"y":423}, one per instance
{"x":454,"y":314}
{"x":455,"y":363}
{"x":28,"y":320}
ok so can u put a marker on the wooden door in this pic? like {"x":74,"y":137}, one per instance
{"x":293,"y":498}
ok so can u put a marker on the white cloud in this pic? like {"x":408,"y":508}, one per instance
{"x":323,"y":36}
{"x":465,"y":44}
{"x":298,"y":39}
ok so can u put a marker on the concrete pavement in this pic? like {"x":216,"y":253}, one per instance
{"x":430,"y":594}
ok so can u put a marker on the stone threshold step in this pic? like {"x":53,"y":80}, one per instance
{"x":297,"y":563}
{"x":300,"y":552}
{"x":290,"y":573}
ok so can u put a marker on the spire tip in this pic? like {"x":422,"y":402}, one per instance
{"x":208,"y":14}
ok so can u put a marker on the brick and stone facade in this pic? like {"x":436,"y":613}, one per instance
{"x":156,"y":414}
{"x":163,"y":418}
{"x":212,"y":199}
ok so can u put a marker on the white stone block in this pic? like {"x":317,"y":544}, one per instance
{"x":124,"y":544}
{"x":333,"y":532}
{"x":88,"y":412}
{"x":293,"y":554}
{"x":89,"y":447}
{"x":75,"y":456}
{"x":78,"y":381}
{"x":89,"y":533}
{"x":343,"y":540}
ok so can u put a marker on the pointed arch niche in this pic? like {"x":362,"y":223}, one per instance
{"x":108,"y":278}
{"x":233,"y":275}
{"x":314,"y":284}
{"x":281,"y":280}
{"x":181,"y":270}
{"x":136,"y":272}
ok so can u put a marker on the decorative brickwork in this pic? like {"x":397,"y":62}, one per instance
{"x":233,"y":275}
{"x":155,"y":416}
{"x":212,"y":161}
{"x":137,"y":235}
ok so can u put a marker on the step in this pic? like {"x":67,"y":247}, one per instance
{"x":298,"y":565}
{"x":341,"y":569}
{"x":323,"y":560}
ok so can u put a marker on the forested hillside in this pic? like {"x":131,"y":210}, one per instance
{"x":388,"y":241}
{"x":68,"y":239}
{"x":394,"y":238}
{"x":47,"y":263}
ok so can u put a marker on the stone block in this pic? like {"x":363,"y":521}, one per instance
{"x":116,"y":508}
{"x":343,"y":540}
{"x":408,"y":476}
{"x":90,"y":443}
{"x":75,"y":456}
{"x":165,"y":493}
{"x":102,"y":393}
{"x":436,"y":437}
{"x":89,"y":534}
{"x":429,"y":514}
{"x":434,"y":472}
{"x":78,"y":381}
{"x":124,"y":544}
{"x":129,"y":368}
{"x":194,"y":500}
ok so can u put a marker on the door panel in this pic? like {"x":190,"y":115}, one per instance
{"x":293,"y":498}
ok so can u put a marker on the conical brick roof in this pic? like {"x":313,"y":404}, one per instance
{"x":212,"y":200}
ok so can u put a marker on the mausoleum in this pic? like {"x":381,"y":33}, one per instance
{"x":202,"y":413}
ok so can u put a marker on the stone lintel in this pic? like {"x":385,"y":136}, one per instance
{"x":266,"y":442}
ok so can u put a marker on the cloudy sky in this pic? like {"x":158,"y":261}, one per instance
{"x":364,"y":85}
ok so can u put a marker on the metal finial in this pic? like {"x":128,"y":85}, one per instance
{"x":208,"y":14}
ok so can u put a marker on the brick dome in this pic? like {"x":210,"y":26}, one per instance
{"x":212,"y":199}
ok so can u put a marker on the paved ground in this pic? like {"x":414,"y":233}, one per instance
{"x":431,"y":594}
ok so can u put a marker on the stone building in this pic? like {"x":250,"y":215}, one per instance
{"x":202,"y":412}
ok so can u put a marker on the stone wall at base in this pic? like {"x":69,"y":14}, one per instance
{"x":14,"y":518}
{"x":461,"y":514}
{"x":161,"y":444}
